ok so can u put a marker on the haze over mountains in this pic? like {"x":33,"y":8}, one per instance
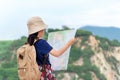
{"x":111,"y":33}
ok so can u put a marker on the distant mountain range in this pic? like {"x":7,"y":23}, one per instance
{"x":111,"y":33}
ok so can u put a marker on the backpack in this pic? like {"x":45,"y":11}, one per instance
{"x":28,"y":68}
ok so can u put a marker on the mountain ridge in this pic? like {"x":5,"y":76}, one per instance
{"x":111,"y":32}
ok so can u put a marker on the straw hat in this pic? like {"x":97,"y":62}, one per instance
{"x":35,"y":24}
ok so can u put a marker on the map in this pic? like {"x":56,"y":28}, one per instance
{"x":57,"y":40}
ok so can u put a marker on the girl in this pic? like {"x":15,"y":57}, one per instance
{"x":36,"y":29}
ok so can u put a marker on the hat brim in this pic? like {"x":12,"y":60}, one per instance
{"x":37,"y":29}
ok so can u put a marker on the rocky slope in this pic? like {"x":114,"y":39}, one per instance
{"x":107,"y":61}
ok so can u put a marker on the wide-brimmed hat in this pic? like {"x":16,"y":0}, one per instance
{"x":35,"y":24}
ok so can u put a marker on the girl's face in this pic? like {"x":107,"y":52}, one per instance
{"x":41,"y":33}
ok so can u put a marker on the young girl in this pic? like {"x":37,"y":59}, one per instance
{"x":36,"y":29}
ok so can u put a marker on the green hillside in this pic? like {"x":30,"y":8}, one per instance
{"x":8,"y":64}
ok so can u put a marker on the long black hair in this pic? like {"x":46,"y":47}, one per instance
{"x":31,"y":38}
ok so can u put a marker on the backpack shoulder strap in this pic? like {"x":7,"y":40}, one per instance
{"x":44,"y":61}
{"x":43,"y":66}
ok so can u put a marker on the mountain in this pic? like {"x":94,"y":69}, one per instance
{"x":91,"y":58}
{"x":108,"y":32}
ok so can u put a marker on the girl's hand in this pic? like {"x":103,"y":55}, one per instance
{"x":73,"y":40}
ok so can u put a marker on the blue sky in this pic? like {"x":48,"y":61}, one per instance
{"x":55,"y":13}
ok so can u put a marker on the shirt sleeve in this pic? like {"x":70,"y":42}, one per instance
{"x":45,"y":47}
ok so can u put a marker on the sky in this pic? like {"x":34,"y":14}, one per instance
{"x":14,"y":14}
